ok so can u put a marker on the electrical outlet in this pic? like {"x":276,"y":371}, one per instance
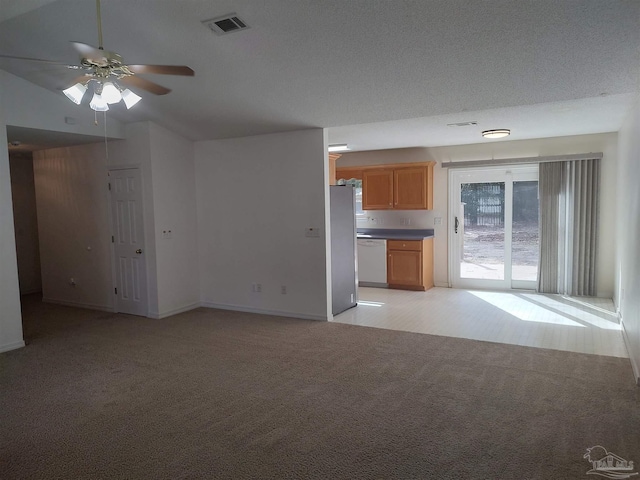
{"x":437,"y":221}
{"x":312,"y":232}
{"x":283,"y":289}
{"x":258,"y":287}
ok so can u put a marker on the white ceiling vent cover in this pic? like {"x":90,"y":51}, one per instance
{"x":226,"y":24}
{"x":462,"y":124}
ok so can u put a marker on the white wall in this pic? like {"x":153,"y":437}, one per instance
{"x":255,"y":197}
{"x":628,"y":229}
{"x":606,"y":143}
{"x":23,"y":192}
{"x":73,"y":224}
{"x":174,"y":209}
{"x":10,"y":314}
{"x":72,"y":197}
{"x":168,"y":178}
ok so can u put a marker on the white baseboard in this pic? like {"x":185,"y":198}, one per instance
{"x":90,"y":306}
{"x":373,"y":284}
{"x":11,"y":346}
{"x":175,"y":311}
{"x":260,"y":311}
{"x":441,"y":284}
{"x":634,"y":364}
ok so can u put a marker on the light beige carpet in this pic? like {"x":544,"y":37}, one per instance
{"x":215,"y":394}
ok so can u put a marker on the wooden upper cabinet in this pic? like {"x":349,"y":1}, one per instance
{"x":377,"y":189}
{"x":413,"y":188}
{"x":406,"y":186}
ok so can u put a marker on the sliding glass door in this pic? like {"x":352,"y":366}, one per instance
{"x":494,"y":234}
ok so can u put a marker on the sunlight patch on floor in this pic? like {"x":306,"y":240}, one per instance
{"x":523,"y":309}
{"x":584,"y":325}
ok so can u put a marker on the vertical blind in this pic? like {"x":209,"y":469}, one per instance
{"x":569,"y":210}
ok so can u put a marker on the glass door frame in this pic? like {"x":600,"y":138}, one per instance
{"x":489,"y":174}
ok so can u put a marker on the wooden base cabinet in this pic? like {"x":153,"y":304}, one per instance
{"x":410,"y":264}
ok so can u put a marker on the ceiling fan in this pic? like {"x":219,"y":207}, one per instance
{"x":105,"y":73}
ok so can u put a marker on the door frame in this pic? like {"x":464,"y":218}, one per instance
{"x":498,"y":173}
{"x":112,"y":229}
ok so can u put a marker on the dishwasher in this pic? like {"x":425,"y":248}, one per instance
{"x":372,"y":262}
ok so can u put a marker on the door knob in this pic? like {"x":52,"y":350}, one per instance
{"x":139,"y":251}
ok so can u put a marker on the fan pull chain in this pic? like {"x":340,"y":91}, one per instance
{"x":106,"y":144}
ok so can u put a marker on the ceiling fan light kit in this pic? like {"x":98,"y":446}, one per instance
{"x":98,"y":103}
{"x":110,"y":93}
{"x":75,"y":93}
{"x":104,"y":71}
{"x":129,"y":98}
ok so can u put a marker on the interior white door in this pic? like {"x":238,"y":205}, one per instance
{"x":494,"y":234}
{"x":128,"y":241}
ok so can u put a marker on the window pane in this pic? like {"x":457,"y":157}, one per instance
{"x":524,"y":237}
{"x":483,"y":231}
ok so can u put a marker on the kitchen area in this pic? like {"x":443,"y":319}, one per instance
{"x":393,"y":215}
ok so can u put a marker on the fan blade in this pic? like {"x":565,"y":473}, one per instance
{"x":90,"y":53}
{"x":51,"y":62}
{"x":162,"y":69}
{"x":140,"y":82}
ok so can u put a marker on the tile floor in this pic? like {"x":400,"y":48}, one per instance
{"x":584,"y":325}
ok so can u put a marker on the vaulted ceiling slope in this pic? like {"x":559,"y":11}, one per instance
{"x":539,"y":67}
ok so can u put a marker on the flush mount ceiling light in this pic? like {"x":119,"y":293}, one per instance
{"x":496,"y":133}
{"x":339,"y":147}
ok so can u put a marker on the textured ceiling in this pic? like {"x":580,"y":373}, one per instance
{"x":539,"y":67}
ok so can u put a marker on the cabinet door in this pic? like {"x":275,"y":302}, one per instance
{"x":377,"y":190}
{"x":404,"y":267}
{"x":411,"y":189}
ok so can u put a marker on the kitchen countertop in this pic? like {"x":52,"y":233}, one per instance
{"x":393,"y":233}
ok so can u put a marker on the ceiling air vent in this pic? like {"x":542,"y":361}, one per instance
{"x":462,"y":124}
{"x":226,"y":24}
